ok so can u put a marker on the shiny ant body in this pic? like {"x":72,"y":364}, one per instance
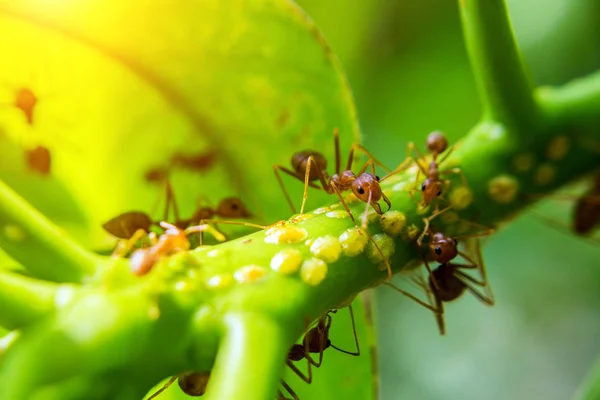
{"x":192,"y":383}
{"x":173,"y":240}
{"x":125,"y":225}
{"x":448,"y":281}
{"x":310,"y":166}
{"x":316,"y":340}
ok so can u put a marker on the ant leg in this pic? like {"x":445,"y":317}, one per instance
{"x":307,"y":379}
{"x":474,"y":291}
{"x":162,"y":389}
{"x":446,"y":155}
{"x":459,"y":172}
{"x":427,"y":223}
{"x":353,"y":353}
{"x":241,"y":223}
{"x":385,"y":260}
{"x":369,"y":156}
{"x":206,"y":228}
{"x":311,"y":160}
{"x":323,"y":330}
{"x":412,"y":297}
{"x":365,"y":219}
{"x":336,"y":144}
{"x":433,"y":298}
{"x":276,"y":169}
{"x":288,"y":389}
{"x":433,"y":280}
{"x":124,"y":246}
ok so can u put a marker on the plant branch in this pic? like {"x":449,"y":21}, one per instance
{"x":577,"y":100}
{"x":250,"y":359}
{"x":26,"y":299}
{"x":504,"y":88}
{"x":40,"y":246}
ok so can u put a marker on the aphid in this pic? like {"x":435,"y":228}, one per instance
{"x":173,"y":240}
{"x":316,"y":340}
{"x":310,"y":165}
{"x":123,"y":226}
{"x":192,"y":383}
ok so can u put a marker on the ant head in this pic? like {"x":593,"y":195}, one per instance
{"x":436,"y":143}
{"x":443,"y":248}
{"x":300,"y":163}
{"x":194,"y":384}
{"x":232,"y":207}
{"x":430,"y":189}
{"x":366,"y":186}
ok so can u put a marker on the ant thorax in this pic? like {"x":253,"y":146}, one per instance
{"x":344,"y":180}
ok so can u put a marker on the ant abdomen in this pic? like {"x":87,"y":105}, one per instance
{"x":448,"y":287}
{"x":587,"y":213}
{"x":300,"y":163}
{"x":193,"y":384}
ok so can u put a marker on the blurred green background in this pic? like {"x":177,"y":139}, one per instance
{"x":409,"y":71}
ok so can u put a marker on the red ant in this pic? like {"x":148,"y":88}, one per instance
{"x":432,"y":187}
{"x":586,"y":211}
{"x":193,"y":384}
{"x":173,"y":240}
{"x":365,"y":186}
{"x":125,"y":225}
{"x":316,"y":340}
{"x":447,"y":281}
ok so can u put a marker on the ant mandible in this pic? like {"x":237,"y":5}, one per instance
{"x":192,"y":383}
{"x":316,"y":340}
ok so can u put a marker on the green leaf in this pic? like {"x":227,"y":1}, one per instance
{"x":122,"y":89}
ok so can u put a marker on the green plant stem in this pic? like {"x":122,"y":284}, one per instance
{"x":25,"y":299}
{"x":578,"y":99}
{"x":250,"y":358}
{"x":504,"y":88}
{"x":41,"y":247}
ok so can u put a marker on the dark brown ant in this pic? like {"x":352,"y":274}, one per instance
{"x":316,"y":340}
{"x":310,"y":165}
{"x":447,"y":281}
{"x":124,"y":226}
{"x":192,"y":383}
{"x":173,"y":240}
